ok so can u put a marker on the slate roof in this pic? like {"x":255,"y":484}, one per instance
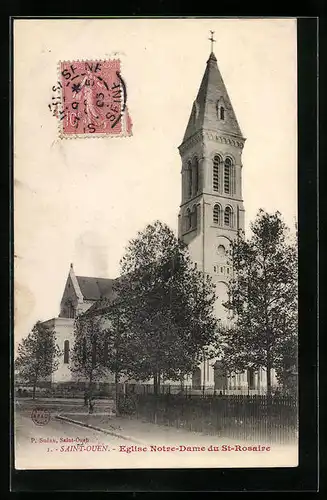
{"x":99,"y":306}
{"x":95,"y":288}
{"x":204,"y":112}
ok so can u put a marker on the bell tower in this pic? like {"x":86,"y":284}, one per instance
{"x":211,"y":210}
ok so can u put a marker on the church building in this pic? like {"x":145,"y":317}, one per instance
{"x":211,"y":213}
{"x":80,"y":293}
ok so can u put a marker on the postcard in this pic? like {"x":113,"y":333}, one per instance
{"x":155,"y":240}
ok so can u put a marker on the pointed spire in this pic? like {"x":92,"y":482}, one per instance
{"x":212,"y":96}
{"x":212,"y":57}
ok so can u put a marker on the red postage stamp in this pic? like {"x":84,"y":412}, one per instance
{"x":93,"y":99}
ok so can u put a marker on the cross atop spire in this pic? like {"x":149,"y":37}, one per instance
{"x":212,"y":40}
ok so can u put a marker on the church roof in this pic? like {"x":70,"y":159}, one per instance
{"x":95,"y":288}
{"x":100,"y":306}
{"x":211,"y":95}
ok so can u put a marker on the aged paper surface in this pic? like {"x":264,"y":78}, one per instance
{"x":85,"y":183}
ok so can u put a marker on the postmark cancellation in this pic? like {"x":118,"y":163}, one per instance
{"x":90,"y":99}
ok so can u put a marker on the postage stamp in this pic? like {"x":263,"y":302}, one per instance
{"x":91,"y":99}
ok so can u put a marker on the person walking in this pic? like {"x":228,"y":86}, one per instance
{"x":91,"y":404}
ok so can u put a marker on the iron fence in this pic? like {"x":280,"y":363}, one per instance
{"x":267,"y":418}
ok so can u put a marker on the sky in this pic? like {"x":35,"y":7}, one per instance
{"x":81,"y":200}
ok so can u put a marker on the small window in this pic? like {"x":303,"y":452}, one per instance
{"x":189,"y":179}
{"x":66,"y":351}
{"x":221,"y":269}
{"x":227,"y":269}
{"x":195,"y":169}
{"x":216,"y":214}
{"x":221,"y":250}
{"x":227,"y":176}
{"x":228,"y":217}
{"x":222,"y":113}
{"x":215,"y":269}
{"x":195,"y":266}
{"x":216,"y":174}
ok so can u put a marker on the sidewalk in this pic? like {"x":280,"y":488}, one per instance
{"x":70,"y":401}
{"x":70,"y":407}
{"x":48,"y":401}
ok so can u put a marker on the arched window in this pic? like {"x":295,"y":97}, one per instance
{"x":222,"y":113}
{"x":195,"y":172}
{"x":70,"y":310}
{"x":217,"y":214}
{"x":189,"y":180}
{"x":228,"y":176}
{"x":66,"y":351}
{"x":228,"y":217}
{"x":216,"y":173}
{"x":194,"y":221}
{"x":188,"y":221}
